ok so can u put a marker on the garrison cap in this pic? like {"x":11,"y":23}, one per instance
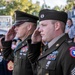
{"x":22,"y":17}
{"x":47,"y":14}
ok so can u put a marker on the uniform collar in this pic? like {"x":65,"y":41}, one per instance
{"x":55,"y":40}
{"x":55,"y":46}
{"x":22,"y":44}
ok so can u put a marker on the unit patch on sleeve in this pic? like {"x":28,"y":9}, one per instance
{"x":72,"y":51}
{"x":10,"y":65}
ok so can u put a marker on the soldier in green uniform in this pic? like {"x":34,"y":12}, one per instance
{"x":59,"y":57}
{"x":23,"y":28}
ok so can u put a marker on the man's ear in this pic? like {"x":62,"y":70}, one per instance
{"x":29,"y":27}
{"x":57,"y":26}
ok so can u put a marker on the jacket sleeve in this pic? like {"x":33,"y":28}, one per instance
{"x":33,"y":54}
{"x":8,"y":53}
{"x":68,"y":61}
{"x":33,"y":51}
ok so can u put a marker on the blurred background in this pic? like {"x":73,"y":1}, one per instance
{"x":7,"y":8}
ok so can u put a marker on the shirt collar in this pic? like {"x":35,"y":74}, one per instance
{"x":55,"y":40}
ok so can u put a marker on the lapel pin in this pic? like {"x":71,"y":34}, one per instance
{"x":57,"y":45}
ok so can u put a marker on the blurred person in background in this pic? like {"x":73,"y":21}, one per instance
{"x":70,"y":29}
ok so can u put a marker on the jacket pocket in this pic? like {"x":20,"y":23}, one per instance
{"x":49,"y":68}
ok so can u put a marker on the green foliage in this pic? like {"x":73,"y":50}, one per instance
{"x":66,"y":8}
{"x":44,"y":6}
{"x":23,"y":5}
{"x":57,"y":8}
{"x":70,"y":1}
{"x":31,"y":8}
{"x":69,"y":6}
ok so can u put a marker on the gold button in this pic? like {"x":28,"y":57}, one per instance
{"x":57,"y":45}
{"x":47,"y":74}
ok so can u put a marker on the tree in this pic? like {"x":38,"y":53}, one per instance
{"x":2,"y":4}
{"x":23,"y":5}
{"x":69,"y":6}
{"x":31,"y":8}
{"x":56,"y":8}
{"x":70,"y":1}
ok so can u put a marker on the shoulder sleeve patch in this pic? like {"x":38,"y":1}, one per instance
{"x":10,"y":65}
{"x":72,"y":51}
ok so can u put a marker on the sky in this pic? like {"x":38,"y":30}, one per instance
{"x":52,"y":3}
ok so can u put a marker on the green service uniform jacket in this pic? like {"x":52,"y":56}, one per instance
{"x":59,"y":59}
{"x":22,"y":65}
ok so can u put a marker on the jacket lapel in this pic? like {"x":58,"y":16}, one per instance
{"x":22,"y":44}
{"x":54,"y":47}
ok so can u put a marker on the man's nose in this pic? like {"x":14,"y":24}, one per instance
{"x":40,"y":29}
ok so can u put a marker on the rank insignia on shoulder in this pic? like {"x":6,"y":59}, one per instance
{"x":72,"y":51}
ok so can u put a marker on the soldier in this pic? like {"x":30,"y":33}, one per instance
{"x":23,"y":28}
{"x":59,"y":57}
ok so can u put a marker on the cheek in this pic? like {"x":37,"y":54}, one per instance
{"x":22,"y":30}
{"x":22,"y":33}
{"x":47,"y":30}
